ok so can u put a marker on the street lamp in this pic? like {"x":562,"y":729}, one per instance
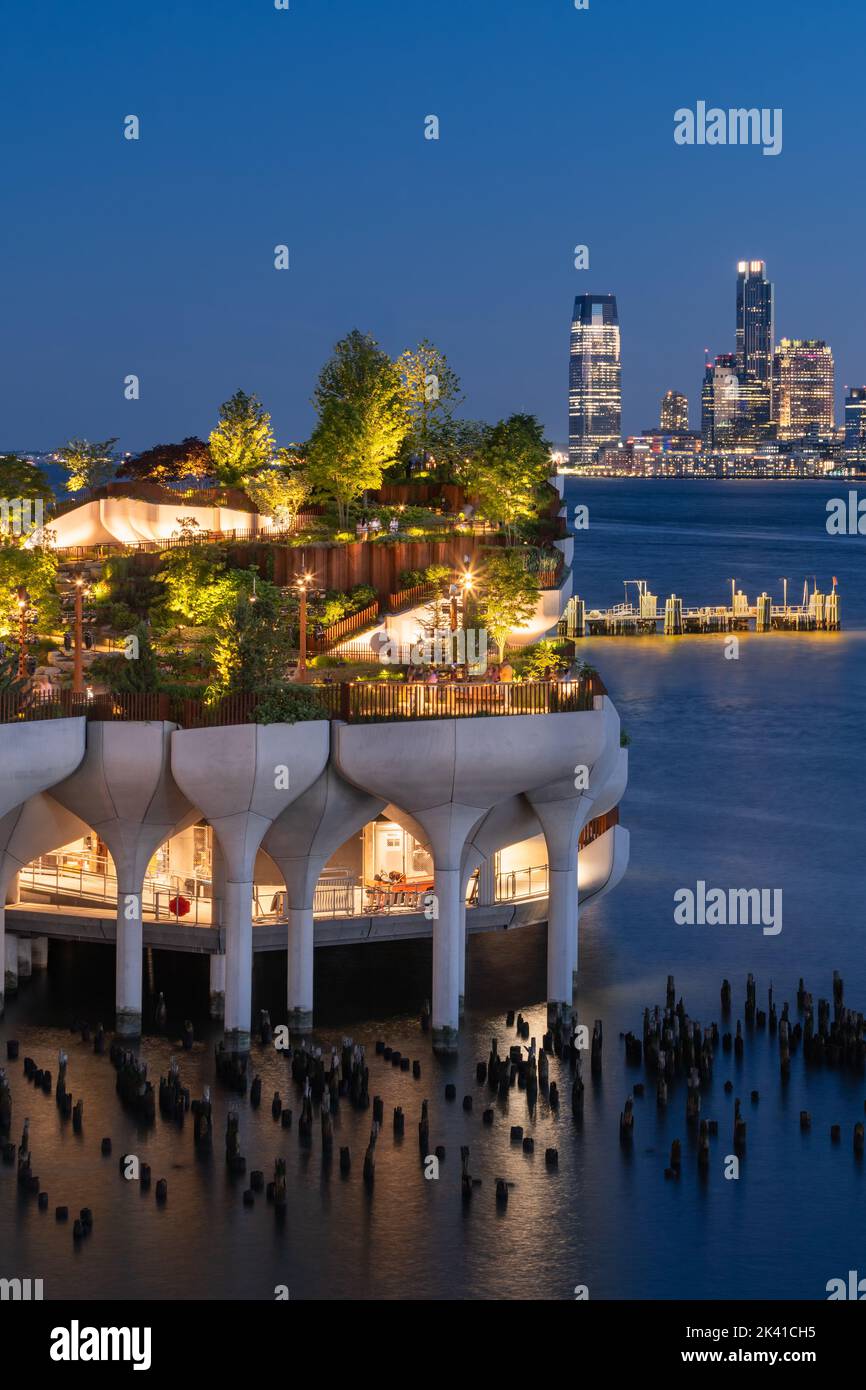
{"x":303,"y":582}
{"x":78,"y":639}
{"x":27,"y":616}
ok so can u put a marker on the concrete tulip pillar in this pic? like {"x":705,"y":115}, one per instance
{"x":447,"y":774}
{"x":300,"y":842}
{"x":217,"y":967}
{"x":506,"y":824}
{"x":124,"y":789}
{"x":33,"y":756}
{"x":563,"y":806}
{"x":242,"y":777}
{"x":25,"y":958}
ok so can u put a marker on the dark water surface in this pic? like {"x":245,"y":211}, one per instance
{"x":744,"y":773}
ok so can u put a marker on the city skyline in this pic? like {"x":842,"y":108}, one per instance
{"x":173,"y":277}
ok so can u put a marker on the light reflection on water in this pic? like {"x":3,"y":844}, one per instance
{"x":745,"y":773}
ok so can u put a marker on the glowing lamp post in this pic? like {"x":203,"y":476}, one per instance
{"x":303,"y":583}
{"x":78,"y":638}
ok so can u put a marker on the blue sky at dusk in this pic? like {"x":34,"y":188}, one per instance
{"x":306,"y":127}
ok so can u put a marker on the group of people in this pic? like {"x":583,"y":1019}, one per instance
{"x":437,"y":675}
{"x":365,"y":528}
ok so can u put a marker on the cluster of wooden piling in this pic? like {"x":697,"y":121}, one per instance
{"x":174,"y":1098}
{"x":347,"y":1073}
{"x":231,"y":1068}
{"x":133,"y":1087}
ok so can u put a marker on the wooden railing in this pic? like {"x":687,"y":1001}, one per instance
{"x":355,"y":702}
{"x":409,"y":598}
{"x":598,"y":827}
{"x":336,"y":632}
{"x":65,"y":705}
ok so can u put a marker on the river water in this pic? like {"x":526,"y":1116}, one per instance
{"x":743,"y":773}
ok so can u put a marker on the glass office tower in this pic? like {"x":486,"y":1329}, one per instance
{"x":594,"y":378}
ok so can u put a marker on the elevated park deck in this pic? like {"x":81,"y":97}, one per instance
{"x":353,"y":702}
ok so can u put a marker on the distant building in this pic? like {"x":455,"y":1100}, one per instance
{"x":803,"y":389}
{"x":674,"y":413}
{"x":720,"y":403}
{"x":754,"y":356}
{"x":654,"y":453}
{"x":855,"y":427}
{"x":594,"y":378}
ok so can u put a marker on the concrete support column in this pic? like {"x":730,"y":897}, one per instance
{"x":562,"y":933}
{"x":300,"y":969}
{"x":39,"y":952}
{"x":217,"y":1006}
{"x":448,"y":945}
{"x":25,"y":958}
{"x":239,"y":963}
{"x":242,"y":778}
{"x":218,"y":883}
{"x":6,"y":987}
{"x":561,"y":821}
{"x":13,"y":889}
{"x":461,"y":997}
{"x":128,"y":957}
{"x":487,"y":881}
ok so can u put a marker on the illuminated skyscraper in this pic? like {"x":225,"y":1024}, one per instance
{"x":855,"y":427}
{"x":594,"y":378}
{"x":674,"y":414}
{"x":803,"y":389}
{"x":755,"y":347}
{"x":720,"y":403}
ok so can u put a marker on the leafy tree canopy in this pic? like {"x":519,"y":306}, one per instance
{"x":363,"y":419}
{"x":253,"y":640}
{"x":280,"y":492}
{"x":432,"y":393}
{"x":508,"y":595}
{"x":36,"y":569}
{"x":243,"y":442}
{"x":508,"y":470}
{"x":169,"y":463}
{"x":21,"y":478}
{"x":88,"y":465}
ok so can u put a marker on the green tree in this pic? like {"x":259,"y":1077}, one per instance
{"x":432,"y":393}
{"x":21,"y":478}
{"x":34,"y":568}
{"x":131,"y":674}
{"x":197,"y":584}
{"x":508,"y":471}
{"x":242,"y":443}
{"x":253,"y":642}
{"x":280,"y":492}
{"x":455,"y":444}
{"x":170,"y":463}
{"x":10,"y":682}
{"x":88,"y":465}
{"x":363,"y":420}
{"x":508,"y":596}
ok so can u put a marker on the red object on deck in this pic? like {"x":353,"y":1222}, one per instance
{"x":179,"y":906}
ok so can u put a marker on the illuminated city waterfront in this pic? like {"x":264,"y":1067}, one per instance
{"x":742,"y":772}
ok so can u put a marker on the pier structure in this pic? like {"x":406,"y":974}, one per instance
{"x":646,"y":617}
{"x":281,"y":800}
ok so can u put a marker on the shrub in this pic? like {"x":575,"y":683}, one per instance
{"x":289,"y":704}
